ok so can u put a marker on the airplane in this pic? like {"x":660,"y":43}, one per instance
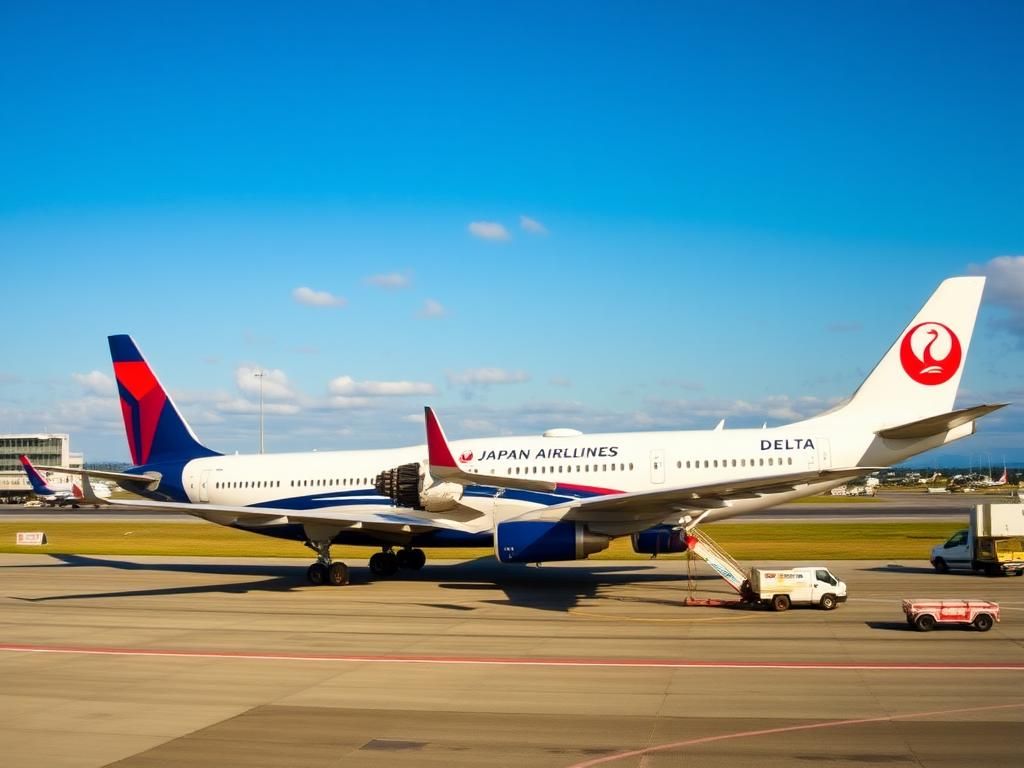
{"x":561,"y":495}
{"x":988,"y":482}
{"x":58,"y":494}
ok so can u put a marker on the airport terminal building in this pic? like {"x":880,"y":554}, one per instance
{"x":44,"y":449}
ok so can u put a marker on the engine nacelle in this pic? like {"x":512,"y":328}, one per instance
{"x":537,"y":541}
{"x":660,"y":540}
{"x":441,"y":497}
{"x":404,"y":486}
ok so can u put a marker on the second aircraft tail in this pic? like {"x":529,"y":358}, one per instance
{"x":156,"y":430}
{"x":918,"y":377}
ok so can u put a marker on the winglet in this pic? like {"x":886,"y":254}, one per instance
{"x":443,"y":465}
{"x":438,"y":452}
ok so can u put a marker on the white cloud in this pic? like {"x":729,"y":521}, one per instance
{"x":347,"y":386}
{"x":275,"y":382}
{"x":489,"y":230}
{"x":532,"y":226}
{"x":241,"y":405}
{"x":487,"y":376}
{"x":391,"y":281}
{"x":96,"y":382}
{"x":1005,"y":289}
{"x":432,"y":308}
{"x":349,"y":402}
{"x":312,"y":298}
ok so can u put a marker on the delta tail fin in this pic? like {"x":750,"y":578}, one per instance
{"x":39,"y":485}
{"x":155,"y":429}
{"x":918,"y":377}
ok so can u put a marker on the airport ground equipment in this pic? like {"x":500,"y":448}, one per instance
{"x":778,"y":588}
{"x":704,"y":547}
{"x":925,"y":615}
{"x":993,"y":542}
{"x":781,"y":588}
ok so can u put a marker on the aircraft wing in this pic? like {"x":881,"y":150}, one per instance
{"x":384,"y":518}
{"x":644,"y":506}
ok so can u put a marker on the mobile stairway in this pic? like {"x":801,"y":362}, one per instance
{"x":701,"y":545}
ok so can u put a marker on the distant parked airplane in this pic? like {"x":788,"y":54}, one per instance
{"x":562,"y":495}
{"x":58,"y":494}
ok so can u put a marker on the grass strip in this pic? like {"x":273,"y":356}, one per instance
{"x":788,"y":540}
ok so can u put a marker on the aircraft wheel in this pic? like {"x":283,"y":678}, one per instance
{"x":384,"y":564}
{"x":403,"y":558}
{"x":317,"y":574}
{"x":417,"y":559}
{"x":337,"y":574}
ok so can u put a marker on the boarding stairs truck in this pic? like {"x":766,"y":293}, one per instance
{"x":993,"y":542}
{"x":779,"y":588}
{"x":782,"y":587}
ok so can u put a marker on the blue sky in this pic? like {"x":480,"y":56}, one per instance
{"x":596,"y":215}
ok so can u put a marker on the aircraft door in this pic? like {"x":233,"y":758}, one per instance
{"x":824,"y":454}
{"x":204,"y":483}
{"x":658,"y":465}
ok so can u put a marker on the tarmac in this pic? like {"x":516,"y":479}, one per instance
{"x":175,"y":662}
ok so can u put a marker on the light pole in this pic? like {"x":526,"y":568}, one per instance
{"x":259,"y":375}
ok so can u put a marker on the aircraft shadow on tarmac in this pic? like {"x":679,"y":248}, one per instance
{"x":548,"y":587}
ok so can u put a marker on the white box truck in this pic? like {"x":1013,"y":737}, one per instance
{"x":993,"y":542}
{"x":782,"y":587}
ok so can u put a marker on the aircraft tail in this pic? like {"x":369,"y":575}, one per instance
{"x":35,"y":479}
{"x":155,"y":428}
{"x":918,"y":378}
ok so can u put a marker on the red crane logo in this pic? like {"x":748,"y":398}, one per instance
{"x":930,"y":353}
{"x":466,"y":456}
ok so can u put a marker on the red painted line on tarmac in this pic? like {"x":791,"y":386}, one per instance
{"x":520,"y":661}
{"x":787,"y":729}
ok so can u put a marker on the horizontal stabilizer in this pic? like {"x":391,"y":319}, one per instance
{"x":149,"y":479}
{"x":936,"y":425}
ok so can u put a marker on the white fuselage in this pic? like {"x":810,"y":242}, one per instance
{"x":582,"y":465}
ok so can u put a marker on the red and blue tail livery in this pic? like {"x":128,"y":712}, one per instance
{"x":156,"y":431}
{"x":35,"y":479}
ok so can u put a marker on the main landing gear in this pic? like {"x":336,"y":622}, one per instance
{"x":387,"y":562}
{"x":323,"y":571}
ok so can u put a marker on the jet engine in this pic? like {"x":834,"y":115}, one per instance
{"x":538,"y":541}
{"x":660,"y":540}
{"x":404,"y":486}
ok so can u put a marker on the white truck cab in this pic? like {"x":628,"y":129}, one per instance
{"x":808,"y":585}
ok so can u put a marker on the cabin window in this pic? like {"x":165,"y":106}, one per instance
{"x":771,"y":461}
{"x":631,"y":465}
{"x":790,"y":460}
